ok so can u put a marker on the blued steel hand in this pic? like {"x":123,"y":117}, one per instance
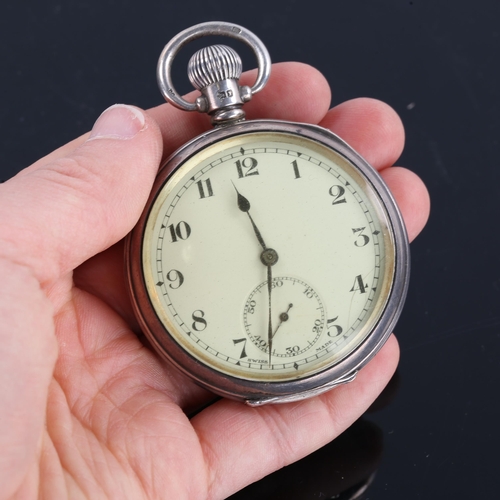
{"x":268,"y":257}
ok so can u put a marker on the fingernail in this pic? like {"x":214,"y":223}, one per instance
{"x":118,"y":122}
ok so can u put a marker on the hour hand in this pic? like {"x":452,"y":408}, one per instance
{"x":269,"y":256}
{"x":244,"y":206}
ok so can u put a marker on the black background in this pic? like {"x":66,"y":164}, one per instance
{"x":436,"y":62}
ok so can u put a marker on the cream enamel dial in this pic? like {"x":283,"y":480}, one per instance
{"x":203,"y":268}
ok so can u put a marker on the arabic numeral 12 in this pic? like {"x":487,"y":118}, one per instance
{"x":246,"y":167}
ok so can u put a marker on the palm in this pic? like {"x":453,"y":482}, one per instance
{"x":112,"y":398}
{"x":88,"y":411}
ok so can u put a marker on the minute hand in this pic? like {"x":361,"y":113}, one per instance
{"x":268,"y":257}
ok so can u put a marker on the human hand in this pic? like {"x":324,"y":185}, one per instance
{"x":87,"y":410}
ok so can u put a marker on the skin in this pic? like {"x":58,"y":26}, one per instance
{"x":87,"y":410}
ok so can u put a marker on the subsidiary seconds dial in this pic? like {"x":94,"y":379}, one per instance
{"x":297,"y":311}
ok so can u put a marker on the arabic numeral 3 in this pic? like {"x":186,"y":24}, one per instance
{"x":362,"y":239}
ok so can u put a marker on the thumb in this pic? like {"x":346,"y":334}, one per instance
{"x":56,"y":215}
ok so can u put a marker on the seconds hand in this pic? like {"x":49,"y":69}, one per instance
{"x":268,"y":257}
{"x":283,"y":317}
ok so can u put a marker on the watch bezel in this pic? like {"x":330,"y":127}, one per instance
{"x":258,"y":392}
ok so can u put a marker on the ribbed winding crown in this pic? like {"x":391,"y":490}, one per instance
{"x":213,"y":64}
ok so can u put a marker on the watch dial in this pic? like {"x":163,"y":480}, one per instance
{"x":268,"y":257}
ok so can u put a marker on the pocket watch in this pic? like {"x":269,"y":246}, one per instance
{"x":271,"y":262}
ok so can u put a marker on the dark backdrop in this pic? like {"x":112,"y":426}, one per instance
{"x":435,"y":435}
